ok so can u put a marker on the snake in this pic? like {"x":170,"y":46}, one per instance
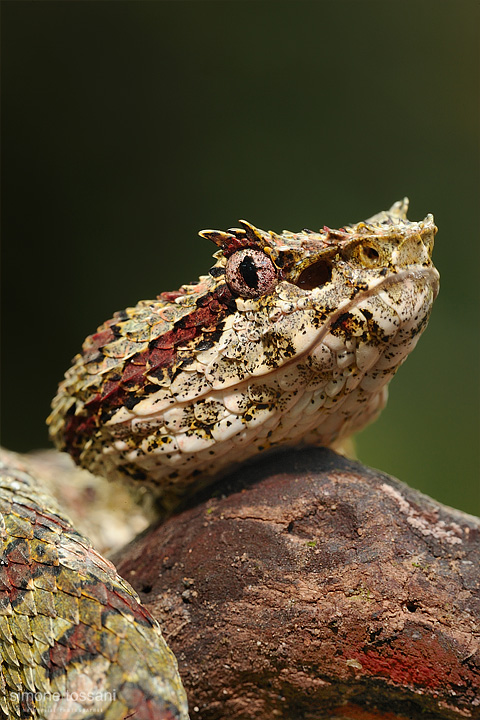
{"x":290,"y":339}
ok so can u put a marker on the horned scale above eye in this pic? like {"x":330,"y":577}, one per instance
{"x":291,"y":338}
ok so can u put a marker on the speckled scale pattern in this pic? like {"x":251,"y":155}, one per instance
{"x":75,"y":642}
{"x":172,"y":392}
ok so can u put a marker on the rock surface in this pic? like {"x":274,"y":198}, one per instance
{"x":311,"y":586}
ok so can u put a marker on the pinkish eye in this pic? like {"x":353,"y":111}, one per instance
{"x":250,"y":273}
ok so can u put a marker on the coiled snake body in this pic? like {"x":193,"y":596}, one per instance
{"x":291,"y":338}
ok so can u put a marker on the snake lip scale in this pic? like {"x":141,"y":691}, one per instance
{"x":290,"y":339}
{"x":427,"y":275}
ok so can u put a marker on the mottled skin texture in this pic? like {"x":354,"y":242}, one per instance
{"x":291,"y":338}
{"x":75,"y":642}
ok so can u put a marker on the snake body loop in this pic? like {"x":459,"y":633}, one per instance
{"x":75,"y":641}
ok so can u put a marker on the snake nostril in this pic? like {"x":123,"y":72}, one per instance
{"x":371,"y":253}
{"x":368,"y":255}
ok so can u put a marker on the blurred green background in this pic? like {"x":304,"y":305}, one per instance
{"x":129,"y":126}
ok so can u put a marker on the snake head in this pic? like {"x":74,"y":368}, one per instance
{"x":290,"y":338}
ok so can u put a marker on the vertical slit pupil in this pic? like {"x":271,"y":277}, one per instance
{"x":248,"y":271}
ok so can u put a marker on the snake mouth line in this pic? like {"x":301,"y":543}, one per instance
{"x":419,"y":272}
{"x":393,"y":279}
{"x":428,"y":274}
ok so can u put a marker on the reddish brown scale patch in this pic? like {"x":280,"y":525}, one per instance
{"x":100,"y":339}
{"x":80,"y":425}
{"x":25,"y":512}
{"x":171,"y":295}
{"x":234,"y":244}
{"x":161,"y":353}
{"x":116,"y":600}
{"x":133,"y":375}
{"x":73,"y":646}
{"x":15,"y":579}
{"x":49,"y":521}
{"x":125,"y":604}
{"x":104,"y":335}
{"x":83,"y":640}
{"x":180,"y":334}
{"x":225,"y":296}
{"x":332,"y":234}
{"x":19,"y":576}
{"x":4,"y":582}
{"x":19,"y":552}
{"x":160,"y":358}
{"x":109,"y":388}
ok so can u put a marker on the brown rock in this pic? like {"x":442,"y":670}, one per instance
{"x":316,"y":587}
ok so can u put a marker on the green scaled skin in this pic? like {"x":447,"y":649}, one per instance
{"x":74,"y":641}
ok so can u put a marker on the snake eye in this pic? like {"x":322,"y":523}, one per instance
{"x":250,"y":273}
{"x":315,"y":276}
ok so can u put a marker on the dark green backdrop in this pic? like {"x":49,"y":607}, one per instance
{"x":128,"y":126}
